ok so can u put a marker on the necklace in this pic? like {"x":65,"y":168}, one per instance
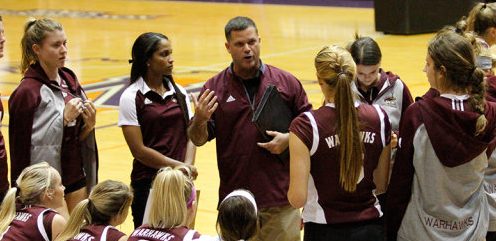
{"x":160,"y":90}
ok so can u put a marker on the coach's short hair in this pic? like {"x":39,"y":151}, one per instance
{"x":237,"y":24}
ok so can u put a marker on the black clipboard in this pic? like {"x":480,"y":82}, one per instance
{"x":273,"y":114}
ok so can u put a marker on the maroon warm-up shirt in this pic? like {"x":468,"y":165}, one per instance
{"x":241,"y":162}
{"x":4,"y":182}
{"x":37,"y":98}
{"x":438,"y":129}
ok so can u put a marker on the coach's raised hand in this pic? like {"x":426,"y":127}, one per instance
{"x":205,"y":106}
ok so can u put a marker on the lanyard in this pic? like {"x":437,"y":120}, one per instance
{"x":82,"y":97}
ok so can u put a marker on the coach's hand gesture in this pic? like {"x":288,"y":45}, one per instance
{"x":205,"y":106}
{"x":278,"y":144}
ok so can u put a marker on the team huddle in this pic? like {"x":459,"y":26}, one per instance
{"x":368,"y":164}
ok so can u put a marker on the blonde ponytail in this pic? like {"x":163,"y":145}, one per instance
{"x":336,"y":67}
{"x":171,"y":189}
{"x":107,"y":200}
{"x":350,"y":148}
{"x":32,"y":183}
{"x":76,"y":221}
{"x":8,"y":209}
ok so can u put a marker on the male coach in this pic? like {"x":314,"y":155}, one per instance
{"x":224,"y":111}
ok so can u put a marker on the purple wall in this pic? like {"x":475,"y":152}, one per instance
{"x":334,"y":3}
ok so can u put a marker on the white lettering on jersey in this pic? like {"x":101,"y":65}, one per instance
{"x":332,"y":141}
{"x":84,"y":237}
{"x":23,"y":217}
{"x":367,"y":137}
{"x":155,"y":234}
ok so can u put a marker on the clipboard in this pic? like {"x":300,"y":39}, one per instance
{"x":273,"y":114}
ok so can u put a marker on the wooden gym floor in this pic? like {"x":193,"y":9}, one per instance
{"x":101,"y":33}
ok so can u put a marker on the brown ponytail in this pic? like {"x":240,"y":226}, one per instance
{"x":477,"y":98}
{"x":455,"y":53}
{"x":34,"y":33}
{"x":481,"y":17}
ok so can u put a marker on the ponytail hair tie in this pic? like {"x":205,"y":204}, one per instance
{"x":484,"y":6}
{"x":29,"y":24}
{"x":340,"y":73}
{"x":483,"y":62}
{"x":18,"y":191}
{"x":458,"y":30}
{"x":192,"y":197}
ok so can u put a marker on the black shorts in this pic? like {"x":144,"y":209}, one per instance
{"x":491,"y":236}
{"x":75,"y":186}
{"x":372,"y":230}
{"x":141,"y":190}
